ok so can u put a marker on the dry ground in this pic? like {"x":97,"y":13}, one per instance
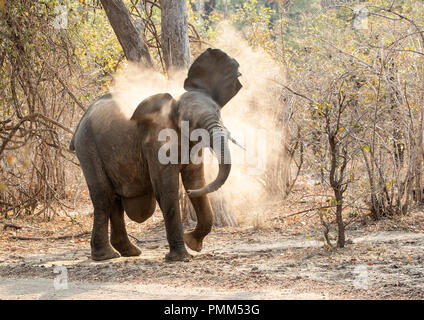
{"x":276,"y":258}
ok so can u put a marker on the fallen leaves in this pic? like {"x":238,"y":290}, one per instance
{"x":10,"y":159}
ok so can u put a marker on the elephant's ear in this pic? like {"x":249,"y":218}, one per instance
{"x":154,"y":108}
{"x":215,"y":73}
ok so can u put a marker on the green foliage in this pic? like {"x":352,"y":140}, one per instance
{"x":97,"y":48}
{"x":42,"y":89}
{"x":205,"y":27}
{"x":255,"y":22}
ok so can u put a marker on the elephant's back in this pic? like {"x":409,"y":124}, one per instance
{"x":103,"y":122}
{"x":105,"y":135}
{"x":92,"y":115}
{"x":105,"y":115}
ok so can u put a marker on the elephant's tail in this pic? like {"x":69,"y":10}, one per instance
{"x":71,"y":145}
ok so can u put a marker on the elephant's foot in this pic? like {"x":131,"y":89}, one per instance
{"x":193,"y":243}
{"x":104,"y":254}
{"x":126,"y":249}
{"x":178,"y":255}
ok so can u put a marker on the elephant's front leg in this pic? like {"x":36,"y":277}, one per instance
{"x":165,"y":185}
{"x":193,"y":178}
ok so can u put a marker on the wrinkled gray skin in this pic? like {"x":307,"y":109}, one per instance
{"x":119,"y":158}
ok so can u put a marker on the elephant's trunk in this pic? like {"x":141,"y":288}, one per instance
{"x":222,"y":153}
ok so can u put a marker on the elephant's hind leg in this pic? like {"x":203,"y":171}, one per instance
{"x":119,"y":236}
{"x":103,"y":198}
{"x":104,"y":204}
{"x":101,"y":248}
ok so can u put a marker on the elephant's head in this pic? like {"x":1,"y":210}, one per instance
{"x":212,"y":81}
{"x":215,"y":73}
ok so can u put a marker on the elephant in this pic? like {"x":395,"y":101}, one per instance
{"x":120,"y":163}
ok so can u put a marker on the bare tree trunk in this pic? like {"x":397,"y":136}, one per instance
{"x":418,"y":170}
{"x":175,"y":45}
{"x":340,"y":224}
{"x":131,"y":42}
{"x":222,"y":214}
{"x":337,"y":171}
{"x":209,"y":7}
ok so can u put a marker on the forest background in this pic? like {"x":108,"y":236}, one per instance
{"x":345,"y":96}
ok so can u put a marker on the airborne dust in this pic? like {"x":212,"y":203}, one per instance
{"x":254,"y":118}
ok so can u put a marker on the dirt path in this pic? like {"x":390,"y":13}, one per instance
{"x":44,"y":289}
{"x":236,"y":264}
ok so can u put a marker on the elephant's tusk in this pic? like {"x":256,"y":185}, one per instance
{"x":229,"y":137}
{"x":236,"y":142}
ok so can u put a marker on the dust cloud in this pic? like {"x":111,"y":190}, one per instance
{"x":133,"y":83}
{"x":250,"y":117}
